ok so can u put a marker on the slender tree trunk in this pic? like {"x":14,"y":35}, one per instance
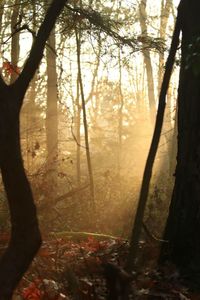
{"x":1,"y":17}
{"x":52,"y":116}
{"x":15,"y":41}
{"x":31,"y":109}
{"x":166,"y":138}
{"x":120,"y":115}
{"x":89,"y":163}
{"x":78,"y":134}
{"x":147,"y":61}
{"x":166,"y":6}
{"x":173,"y":147}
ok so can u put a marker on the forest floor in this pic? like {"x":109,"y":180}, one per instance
{"x":89,"y":267}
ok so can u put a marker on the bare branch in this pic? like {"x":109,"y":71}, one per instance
{"x":39,"y":43}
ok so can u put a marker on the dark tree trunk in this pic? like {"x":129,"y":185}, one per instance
{"x":183,"y":224}
{"x":25,"y":235}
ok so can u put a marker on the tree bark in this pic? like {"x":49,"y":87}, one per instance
{"x":183,"y":224}
{"x":25,"y":235}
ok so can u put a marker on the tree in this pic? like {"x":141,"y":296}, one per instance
{"x":87,"y":145}
{"x":52,"y":115}
{"x":166,"y":6}
{"x":183,"y":224}
{"x":147,"y":61}
{"x":136,"y":231}
{"x":25,"y":235}
{"x":15,"y":41}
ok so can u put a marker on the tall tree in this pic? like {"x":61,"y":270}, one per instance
{"x":87,"y":145}
{"x":15,"y":40}
{"x":120,"y":114}
{"x":183,"y":224}
{"x":166,"y":7}
{"x":136,"y":231}
{"x":147,"y":60}
{"x":25,"y":235}
{"x":52,"y":114}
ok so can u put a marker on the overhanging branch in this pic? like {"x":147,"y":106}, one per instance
{"x":135,"y":43}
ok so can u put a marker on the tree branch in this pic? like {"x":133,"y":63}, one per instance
{"x":37,"y":49}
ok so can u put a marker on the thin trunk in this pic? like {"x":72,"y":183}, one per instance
{"x":120,"y":110}
{"x":78,"y":114}
{"x":31,"y":110}
{"x":147,"y":61}
{"x":1,"y":17}
{"x":173,"y":147}
{"x":52,"y":115}
{"x":78,"y":134}
{"x":166,"y":7}
{"x":15,"y":41}
{"x":120,"y":114}
{"x":90,"y":171}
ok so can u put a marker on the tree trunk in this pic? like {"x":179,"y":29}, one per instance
{"x":136,"y":231}
{"x":87,"y":145}
{"x":165,"y":12}
{"x":78,"y":134}
{"x":183,"y":224}
{"x":15,"y":41}
{"x":173,"y":147}
{"x":1,"y":17}
{"x":25,"y":236}
{"x":52,"y":116}
{"x":120,"y":119}
{"x":147,"y":61}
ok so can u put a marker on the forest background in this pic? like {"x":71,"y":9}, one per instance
{"x":89,"y":113}
{"x":122,"y":47}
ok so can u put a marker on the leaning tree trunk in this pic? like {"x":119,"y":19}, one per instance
{"x":25,"y":236}
{"x":136,"y":231}
{"x":183,"y":224}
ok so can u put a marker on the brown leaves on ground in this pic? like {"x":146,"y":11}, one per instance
{"x":64,"y":269}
